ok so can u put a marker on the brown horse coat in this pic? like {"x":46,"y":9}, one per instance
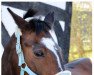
{"x":82,"y":66}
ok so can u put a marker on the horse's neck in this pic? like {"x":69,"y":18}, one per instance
{"x":9,"y":58}
{"x":10,"y":47}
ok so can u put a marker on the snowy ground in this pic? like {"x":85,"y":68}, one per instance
{"x":10,"y":25}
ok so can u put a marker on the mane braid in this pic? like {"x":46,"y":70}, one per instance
{"x":38,"y":26}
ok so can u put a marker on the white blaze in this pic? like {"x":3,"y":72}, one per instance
{"x":50,"y":44}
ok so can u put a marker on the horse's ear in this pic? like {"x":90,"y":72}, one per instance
{"x":18,"y":20}
{"x":49,"y":18}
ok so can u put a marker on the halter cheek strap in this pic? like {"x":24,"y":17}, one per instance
{"x":19,"y":52}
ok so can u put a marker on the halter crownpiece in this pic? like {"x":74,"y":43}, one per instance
{"x":19,"y":52}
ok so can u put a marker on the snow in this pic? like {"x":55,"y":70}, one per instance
{"x":8,"y":20}
{"x":62,"y":23}
{"x":1,"y":50}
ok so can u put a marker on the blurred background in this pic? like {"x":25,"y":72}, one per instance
{"x":72,"y":27}
{"x":81,"y":31}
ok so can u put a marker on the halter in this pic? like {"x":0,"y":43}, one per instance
{"x":21,"y":60}
{"x":19,"y":52}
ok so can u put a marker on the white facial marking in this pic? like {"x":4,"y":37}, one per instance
{"x":35,"y":17}
{"x":50,"y":44}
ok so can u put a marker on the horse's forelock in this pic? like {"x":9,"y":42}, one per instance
{"x":38,"y":23}
{"x":37,"y":26}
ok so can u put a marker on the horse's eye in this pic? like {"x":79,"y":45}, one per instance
{"x":39,"y":53}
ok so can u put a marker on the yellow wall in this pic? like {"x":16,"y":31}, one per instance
{"x":81,"y":31}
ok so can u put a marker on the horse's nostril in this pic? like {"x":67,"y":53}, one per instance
{"x":39,"y":53}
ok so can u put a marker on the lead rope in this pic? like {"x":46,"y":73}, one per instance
{"x":19,"y":52}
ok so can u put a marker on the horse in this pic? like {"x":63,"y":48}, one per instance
{"x":32,"y":50}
